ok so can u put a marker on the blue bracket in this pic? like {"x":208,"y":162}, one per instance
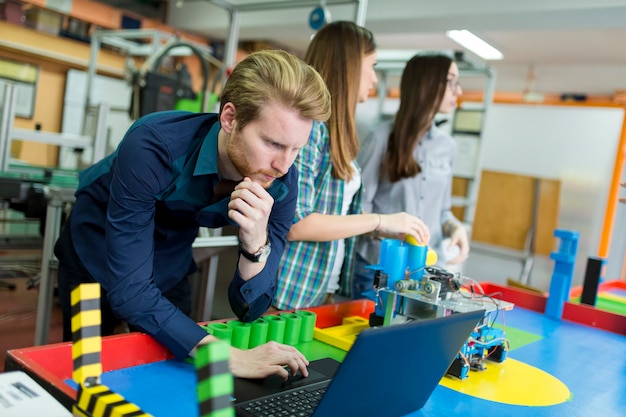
{"x":561,"y":283}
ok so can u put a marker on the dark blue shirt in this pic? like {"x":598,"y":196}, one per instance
{"x":138,"y":211}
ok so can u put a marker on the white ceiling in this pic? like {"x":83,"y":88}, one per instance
{"x":574,"y":46}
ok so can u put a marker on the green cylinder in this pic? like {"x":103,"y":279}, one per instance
{"x":258,"y":332}
{"x":221,"y":330}
{"x":241,"y":334}
{"x":276,"y":328}
{"x":292,"y":328}
{"x":308,"y":325}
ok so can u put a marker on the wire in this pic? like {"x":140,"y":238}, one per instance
{"x":415,"y":271}
{"x":480,"y":297}
{"x":495,"y":339}
{"x":439,"y":272}
{"x":465,"y":359}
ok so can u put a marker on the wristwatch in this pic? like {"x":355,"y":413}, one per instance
{"x":258,"y":256}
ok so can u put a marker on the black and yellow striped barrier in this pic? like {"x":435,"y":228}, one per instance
{"x":94,"y":399}
{"x":100,"y":401}
{"x":215,"y":382}
{"x":87,"y":342}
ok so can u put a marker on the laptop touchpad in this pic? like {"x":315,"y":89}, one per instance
{"x":248,"y":389}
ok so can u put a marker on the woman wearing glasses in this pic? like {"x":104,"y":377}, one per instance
{"x":407,"y":164}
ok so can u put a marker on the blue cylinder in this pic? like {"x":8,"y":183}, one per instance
{"x":416,"y":261}
{"x":395,"y":261}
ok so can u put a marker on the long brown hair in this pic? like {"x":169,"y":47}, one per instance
{"x":422,"y":88}
{"x":337,"y":52}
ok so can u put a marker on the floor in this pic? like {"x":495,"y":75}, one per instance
{"x":18,"y":307}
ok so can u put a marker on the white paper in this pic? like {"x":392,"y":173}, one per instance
{"x":21,"y":396}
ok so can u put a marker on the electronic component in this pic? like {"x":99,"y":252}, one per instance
{"x":440,"y":293}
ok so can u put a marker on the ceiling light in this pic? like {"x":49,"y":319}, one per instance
{"x":474,"y":44}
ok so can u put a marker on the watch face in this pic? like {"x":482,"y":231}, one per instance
{"x":259,"y":256}
{"x":264,"y":253}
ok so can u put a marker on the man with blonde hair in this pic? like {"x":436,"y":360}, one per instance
{"x":138,"y":211}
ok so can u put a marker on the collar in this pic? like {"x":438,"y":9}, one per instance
{"x":208,"y":155}
{"x":431,"y":132}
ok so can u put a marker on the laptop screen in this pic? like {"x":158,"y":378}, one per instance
{"x":393,"y":370}
{"x":389,"y":371}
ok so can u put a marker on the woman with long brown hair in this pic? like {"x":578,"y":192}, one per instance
{"x":407,"y":164}
{"x":318,"y":256}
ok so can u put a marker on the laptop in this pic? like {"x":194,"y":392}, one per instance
{"x":389,"y":371}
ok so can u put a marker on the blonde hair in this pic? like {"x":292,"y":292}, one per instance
{"x":275,"y":76}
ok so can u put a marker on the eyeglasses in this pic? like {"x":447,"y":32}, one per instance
{"x":453,"y":84}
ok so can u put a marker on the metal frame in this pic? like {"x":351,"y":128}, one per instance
{"x":8,"y":133}
{"x":125,"y":40}
{"x":57,"y":196}
{"x":230,"y":51}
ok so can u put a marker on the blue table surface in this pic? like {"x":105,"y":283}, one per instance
{"x":592,"y":363}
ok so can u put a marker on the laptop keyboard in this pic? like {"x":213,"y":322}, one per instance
{"x":297,"y":403}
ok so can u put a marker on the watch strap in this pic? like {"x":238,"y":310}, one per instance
{"x":257,"y":256}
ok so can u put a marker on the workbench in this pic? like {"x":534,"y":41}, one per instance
{"x":587,"y":362}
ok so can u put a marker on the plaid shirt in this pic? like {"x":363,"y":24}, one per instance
{"x":306,"y":267}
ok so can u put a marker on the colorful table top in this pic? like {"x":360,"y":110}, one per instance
{"x":553,"y":368}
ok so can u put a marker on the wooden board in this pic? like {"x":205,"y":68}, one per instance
{"x":460,"y":188}
{"x":504,"y":210}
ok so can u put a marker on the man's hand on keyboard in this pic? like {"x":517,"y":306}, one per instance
{"x":270,"y":358}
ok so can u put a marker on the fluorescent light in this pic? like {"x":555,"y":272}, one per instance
{"x":473,"y":43}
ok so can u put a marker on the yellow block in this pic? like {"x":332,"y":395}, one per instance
{"x":411,"y":240}
{"x":431,"y":255}
{"x":85,"y":394}
{"x":86,"y":319}
{"x":85,"y":292}
{"x":81,"y":373}
{"x":104,"y":397}
{"x":88,"y":345}
{"x":342,"y":336}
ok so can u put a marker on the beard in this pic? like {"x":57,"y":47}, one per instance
{"x":240,"y":160}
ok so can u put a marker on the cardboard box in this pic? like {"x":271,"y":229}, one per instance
{"x":44,"y":20}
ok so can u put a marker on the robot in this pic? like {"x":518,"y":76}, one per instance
{"x":485,"y":343}
{"x":431,"y":291}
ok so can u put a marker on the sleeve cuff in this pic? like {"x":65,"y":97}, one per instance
{"x":250,"y":299}
{"x":180,"y":335}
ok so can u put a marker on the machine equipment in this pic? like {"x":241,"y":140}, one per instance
{"x":441,"y":293}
